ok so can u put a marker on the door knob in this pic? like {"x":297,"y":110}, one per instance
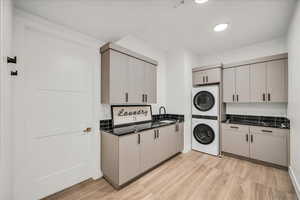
{"x":87,"y":130}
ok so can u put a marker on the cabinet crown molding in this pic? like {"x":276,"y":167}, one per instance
{"x":257,"y":60}
{"x":127,"y":52}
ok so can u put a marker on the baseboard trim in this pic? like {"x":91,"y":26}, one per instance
{"x":295,"y":182}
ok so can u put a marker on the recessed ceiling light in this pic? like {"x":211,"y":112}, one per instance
{"x":220,"y":27}
{"x":201,"y":1}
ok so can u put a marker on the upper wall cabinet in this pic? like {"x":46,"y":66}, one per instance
{"x":236,"y":85}
{"x":263,"y":82}
{"x":206,"y":76}
{"x":269,"y":81}
{"x":127,"y":77}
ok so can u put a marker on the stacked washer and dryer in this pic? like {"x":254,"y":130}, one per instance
{"x":206,"y":119}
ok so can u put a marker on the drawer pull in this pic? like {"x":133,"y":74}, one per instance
{"x":267,"y":131}
{"x":235,"y":127}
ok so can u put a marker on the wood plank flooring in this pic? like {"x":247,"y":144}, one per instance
{"x":193,"y":176}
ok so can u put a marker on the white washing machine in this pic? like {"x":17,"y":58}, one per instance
{"x":205,"y":119}
{"x":205,"y":136}
{"x":205,"y":100}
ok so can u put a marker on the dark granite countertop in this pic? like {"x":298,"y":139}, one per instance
{"x":157,"y":122}
{"x":139,"y":127}
{"x":270,"y":122}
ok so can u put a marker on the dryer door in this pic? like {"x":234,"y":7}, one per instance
{"x":204,"y":134}
{"x":204,"y":101}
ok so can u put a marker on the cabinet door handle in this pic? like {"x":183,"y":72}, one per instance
{"x":251,"y":138}
{"x":139,"y":139}
{"x":269,"y":97}
{"x":126,"y":97}
{"x":154,"y":134}
{"x":233,"y":97}
{"x":177,"y":127}
{"x":203,"y":79}
{"x":247,"y":138}
{"x":143,"y":98}
{"x":157,"y":133}
{"x":235,"y":127}
{"x":237,"y":98}
{"x":264,"y":97}
{"x":146,"y":96}
{"x":206,"y":79}
{"x":267,"y":131}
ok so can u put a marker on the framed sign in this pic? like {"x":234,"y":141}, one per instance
{"x":128,"y":114}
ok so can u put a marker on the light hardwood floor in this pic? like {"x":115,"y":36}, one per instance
{"x":194,"y":176}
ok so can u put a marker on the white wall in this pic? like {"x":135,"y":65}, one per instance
{"x":5,"y":108}
{"x":257,"y":109}
{"x":142,"y":47}
{"x":294,"y":96}
{"x":268,"y":48}
{"x":272,"y":47}
{"x":179,"y":81}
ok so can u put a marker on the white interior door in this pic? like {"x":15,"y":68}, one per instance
{"x":57,"y":105}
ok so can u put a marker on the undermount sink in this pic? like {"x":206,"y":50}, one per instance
{"x":166,"y":121}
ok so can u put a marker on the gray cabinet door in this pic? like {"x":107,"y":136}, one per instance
{"x":164,"y":142}
{"x":136,"y":80}
{"x":229,"y":85}
{"x":174,"y":139}
{"x":150,"y":79}
{"x":276,"y":81}
{"x":213,"y":76}
{"x":180,"y":137}
{"x":198,"y":78}
{"x":258,"y":83}
{"x":119,"y":82}
{"x":269,"y":147}
{"x":149,"y":152}
{"x":235,"y":142}
{"x":129,"y":157}
{"x":242,"y":84}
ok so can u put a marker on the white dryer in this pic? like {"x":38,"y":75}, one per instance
{"x":205,"y":119}
{"x":205,"y":100}
{"x":205,"y":136}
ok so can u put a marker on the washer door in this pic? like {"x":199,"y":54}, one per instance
{"x":204,"y":101}
{"x":204,"y":134}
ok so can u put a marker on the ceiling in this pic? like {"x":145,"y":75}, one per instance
{"x":162,"y":24}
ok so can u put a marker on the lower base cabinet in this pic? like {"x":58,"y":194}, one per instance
{"x":269,"y":146}
{"x":129,"y":157}
{"x":235,"y":140}
{"x":125,"y":157}
{"x":259,"y":143}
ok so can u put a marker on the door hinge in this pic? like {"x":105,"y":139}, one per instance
{"x":14,"y":73}
{"x":12,"y":60}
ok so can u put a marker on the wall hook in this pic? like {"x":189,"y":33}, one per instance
{"x":12,"y":60}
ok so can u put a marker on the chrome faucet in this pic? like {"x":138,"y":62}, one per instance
{"x":162,"y":107}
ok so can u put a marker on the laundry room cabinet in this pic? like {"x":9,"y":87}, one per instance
{"x":236,"y":84}
{"x":259,"y":143}
{"x":124,"y":158}
{"x":207,"y":76}
{"x":257,"y":82}
{"x":127,"y":77}
{"x":269,"y":81}
{"x":235,"y":140}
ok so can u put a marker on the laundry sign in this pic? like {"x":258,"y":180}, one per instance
{"x":130,"y":114}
